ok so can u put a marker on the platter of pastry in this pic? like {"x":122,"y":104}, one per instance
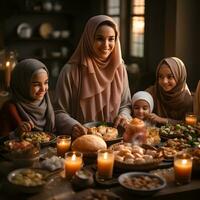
{"x":105,"y":130}
{"x":134,"y":157}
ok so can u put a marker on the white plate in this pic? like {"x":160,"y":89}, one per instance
{"x":24,"y":30}
{"x":143,"y":192}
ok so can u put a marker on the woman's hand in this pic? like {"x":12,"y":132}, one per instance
{"x":79,"y":130}
{"x":156,"y":119}
{"x":120,"y":120}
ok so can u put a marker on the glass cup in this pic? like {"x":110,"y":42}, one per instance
{"x":191,"y":119}
{"x":73,"y":163}
{"x":63,"y":143}
{"x":182,"y":168}
{"x":105,"y":163}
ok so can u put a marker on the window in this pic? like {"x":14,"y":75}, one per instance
{"x":113,"y":10}
{"x":137,"y":28}
{"x":130,"y":15}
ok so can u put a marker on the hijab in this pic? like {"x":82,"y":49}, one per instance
{"x":143,"y":95}
{"x":176,"y":102}
{"x":101,"y":81}
{"x":197,"y":100}
{"x":39,"y":112}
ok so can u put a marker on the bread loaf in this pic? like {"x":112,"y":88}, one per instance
{"x":88,"y":143}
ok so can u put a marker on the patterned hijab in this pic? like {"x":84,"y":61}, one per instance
{"x":175,"y":103}
{"x":39,"y":112}
{"x":101,"y":81}
{"x":197,"y":100}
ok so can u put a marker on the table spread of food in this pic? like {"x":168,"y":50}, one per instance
{"x":102,"y":158}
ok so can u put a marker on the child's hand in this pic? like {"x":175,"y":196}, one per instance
{"x":156,"y":119}
{"x":25,"y":126}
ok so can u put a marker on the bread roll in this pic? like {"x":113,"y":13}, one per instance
{"x":88,"y":143}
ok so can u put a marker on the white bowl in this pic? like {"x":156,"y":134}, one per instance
{"x":20,"y":183}
{"x":141,"y":190}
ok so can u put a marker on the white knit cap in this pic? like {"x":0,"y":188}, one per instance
{"x":143,"y":95}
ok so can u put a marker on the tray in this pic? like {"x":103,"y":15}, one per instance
{"x":109,"y":124}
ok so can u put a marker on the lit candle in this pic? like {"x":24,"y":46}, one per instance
{"x":63,"y":143}
{"x":182,"y":168}
{"x":73,"y":163}
{"x":105,"y":163}
{"x":191,"y":119}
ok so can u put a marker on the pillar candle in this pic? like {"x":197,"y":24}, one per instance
{"x":191,"y":119}
{"x":182,"y":170}
{"x":105,"y":162}
{"x":63,"y":143}
{"x":73,"y":163}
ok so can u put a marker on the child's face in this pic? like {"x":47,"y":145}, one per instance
{"x":140,"y":108}
{"x":166,"y":78}
{"x":39,"y":85}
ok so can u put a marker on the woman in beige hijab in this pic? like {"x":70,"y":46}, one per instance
{"x":197,"y":100}
{"x":93,"y":85}
{"x":172,"y":98}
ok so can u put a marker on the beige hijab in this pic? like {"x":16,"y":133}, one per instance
{"x":175,"y":103}
{"x":101,"y":81}
{"x":197,"y":100}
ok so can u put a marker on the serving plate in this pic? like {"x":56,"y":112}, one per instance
{"x":142,"y":183}
{"x":108,"y":124}
{"x":131,"y":157}
{"x":24,"y":30}
{"x":28,"y":180}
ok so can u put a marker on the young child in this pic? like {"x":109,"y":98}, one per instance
{"x":142,"y":104}
{"x":136,"y":130}
{"x":29,"y":107}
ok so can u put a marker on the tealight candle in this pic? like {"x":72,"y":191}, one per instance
{"x":182,"y":168}
{"x":105,"y":163}
{"x":63,"y":143}
{"x":73,"y":163}
{"x":191,"y":119}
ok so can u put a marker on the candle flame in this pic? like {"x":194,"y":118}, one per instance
{"x":7,"y":63}
{"x":73,"y":157}
{"x":105,"y":156}
{"x":184,"y":161}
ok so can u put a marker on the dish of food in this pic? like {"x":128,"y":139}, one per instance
{"x":106,"y":131}
{"x":134,"y":157}
{"x":43,"y":138}
{"x":179,"y":131}
{"x":142,"y":183}
{"x":18,"y":148}
{"x":28,"y":180}
{"x":91,"y":194}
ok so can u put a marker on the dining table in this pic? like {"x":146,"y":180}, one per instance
{"x":60,"y":188}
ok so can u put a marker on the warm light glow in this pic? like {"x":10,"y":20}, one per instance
{"x":138,"y":25}
{"x":73,"y":157}
{"x":7,"y":63}
{"x":184,"y":161}
{"x":105,"y":156}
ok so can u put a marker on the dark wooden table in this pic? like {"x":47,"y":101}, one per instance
{"x":61,"y":189}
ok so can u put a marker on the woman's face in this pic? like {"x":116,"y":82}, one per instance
{"x":140,"y":108}
{"x":39,"y":85}
{"x":165,"y":78}
{"x":104,"y":41}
